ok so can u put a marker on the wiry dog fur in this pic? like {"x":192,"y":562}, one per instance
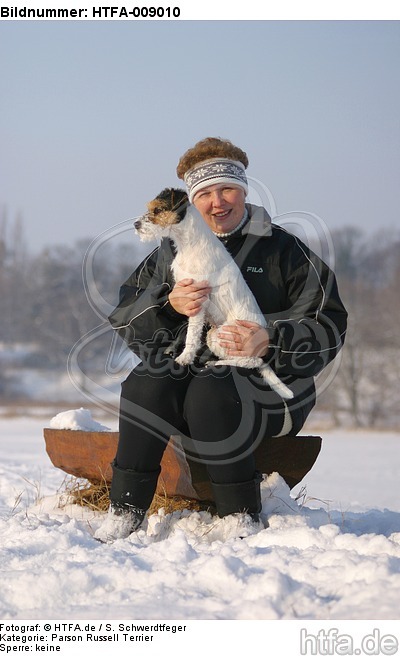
{"x":201,"y":256}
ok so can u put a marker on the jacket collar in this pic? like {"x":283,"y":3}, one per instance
{"x":260,"y":222}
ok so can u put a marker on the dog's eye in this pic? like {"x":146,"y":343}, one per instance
{"x":156,"y":211}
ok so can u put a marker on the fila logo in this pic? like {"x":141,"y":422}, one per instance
{"x":255,"y":269}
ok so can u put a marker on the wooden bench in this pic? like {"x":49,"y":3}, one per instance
{"x":88,"y":455}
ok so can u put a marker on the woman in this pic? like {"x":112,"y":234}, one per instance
{"x":222,"y":412}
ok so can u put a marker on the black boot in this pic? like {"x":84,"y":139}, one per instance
{"x":245,"y":497}
{"x":130,"y":488}
{"x":130,"y":497}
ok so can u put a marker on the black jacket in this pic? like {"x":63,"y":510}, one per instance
{"x":295,"y":289}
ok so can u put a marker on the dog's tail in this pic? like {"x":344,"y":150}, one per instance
{"x":274,"y":382}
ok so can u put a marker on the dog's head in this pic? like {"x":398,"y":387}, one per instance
{"x":163,"y":212}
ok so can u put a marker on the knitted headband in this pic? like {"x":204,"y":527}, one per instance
{"x":215,"y":171}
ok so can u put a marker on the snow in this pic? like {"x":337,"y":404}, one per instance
{"x":331,"y":551}
{"x":80,"y":419}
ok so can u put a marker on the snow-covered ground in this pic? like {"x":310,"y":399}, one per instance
{"x":333,"y":554}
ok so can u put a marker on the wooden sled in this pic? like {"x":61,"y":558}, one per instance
{"x":88,"y":455}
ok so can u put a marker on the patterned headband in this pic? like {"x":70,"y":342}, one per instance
{"x":215,"y":171}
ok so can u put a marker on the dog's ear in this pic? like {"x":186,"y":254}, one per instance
{"x":180,"y":202}
{"x":180,"y":196}
{"x":170,"y":199}
{"x":173,"y":198}
{"x":164,"y":195}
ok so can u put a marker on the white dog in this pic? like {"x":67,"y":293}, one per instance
{"x":201,"y":256}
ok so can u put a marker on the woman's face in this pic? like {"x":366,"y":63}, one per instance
{"x":221,"y":205}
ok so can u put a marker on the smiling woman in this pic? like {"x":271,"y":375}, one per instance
{"x":214,"y":173}
{"x":225,"y":411}
{"x":222,"y":207}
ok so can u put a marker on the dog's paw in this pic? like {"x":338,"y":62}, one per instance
{"x":184,"y":359}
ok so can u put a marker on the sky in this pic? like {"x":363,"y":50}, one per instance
{"x":94,"y":116}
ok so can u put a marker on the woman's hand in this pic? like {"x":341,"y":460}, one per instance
{"x":244,"y":339}
{"x":187,"y":297}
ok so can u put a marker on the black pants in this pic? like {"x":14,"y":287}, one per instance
{"x":221,"y":413}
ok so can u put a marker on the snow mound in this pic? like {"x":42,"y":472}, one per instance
{"x":196,"y":527}
{"x":80,"y":419}
{"x":204,"y":528}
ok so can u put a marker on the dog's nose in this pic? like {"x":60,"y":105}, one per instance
{"x":137,"y":224}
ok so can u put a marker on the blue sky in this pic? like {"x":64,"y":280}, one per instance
{"x":95,"y":115}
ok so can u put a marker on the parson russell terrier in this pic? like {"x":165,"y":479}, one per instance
{"x":200,"y":255}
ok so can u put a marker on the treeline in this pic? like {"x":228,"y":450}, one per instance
{"x":50,"y":300}
{"x":47,"y":301}
{"x":366,"y":387}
